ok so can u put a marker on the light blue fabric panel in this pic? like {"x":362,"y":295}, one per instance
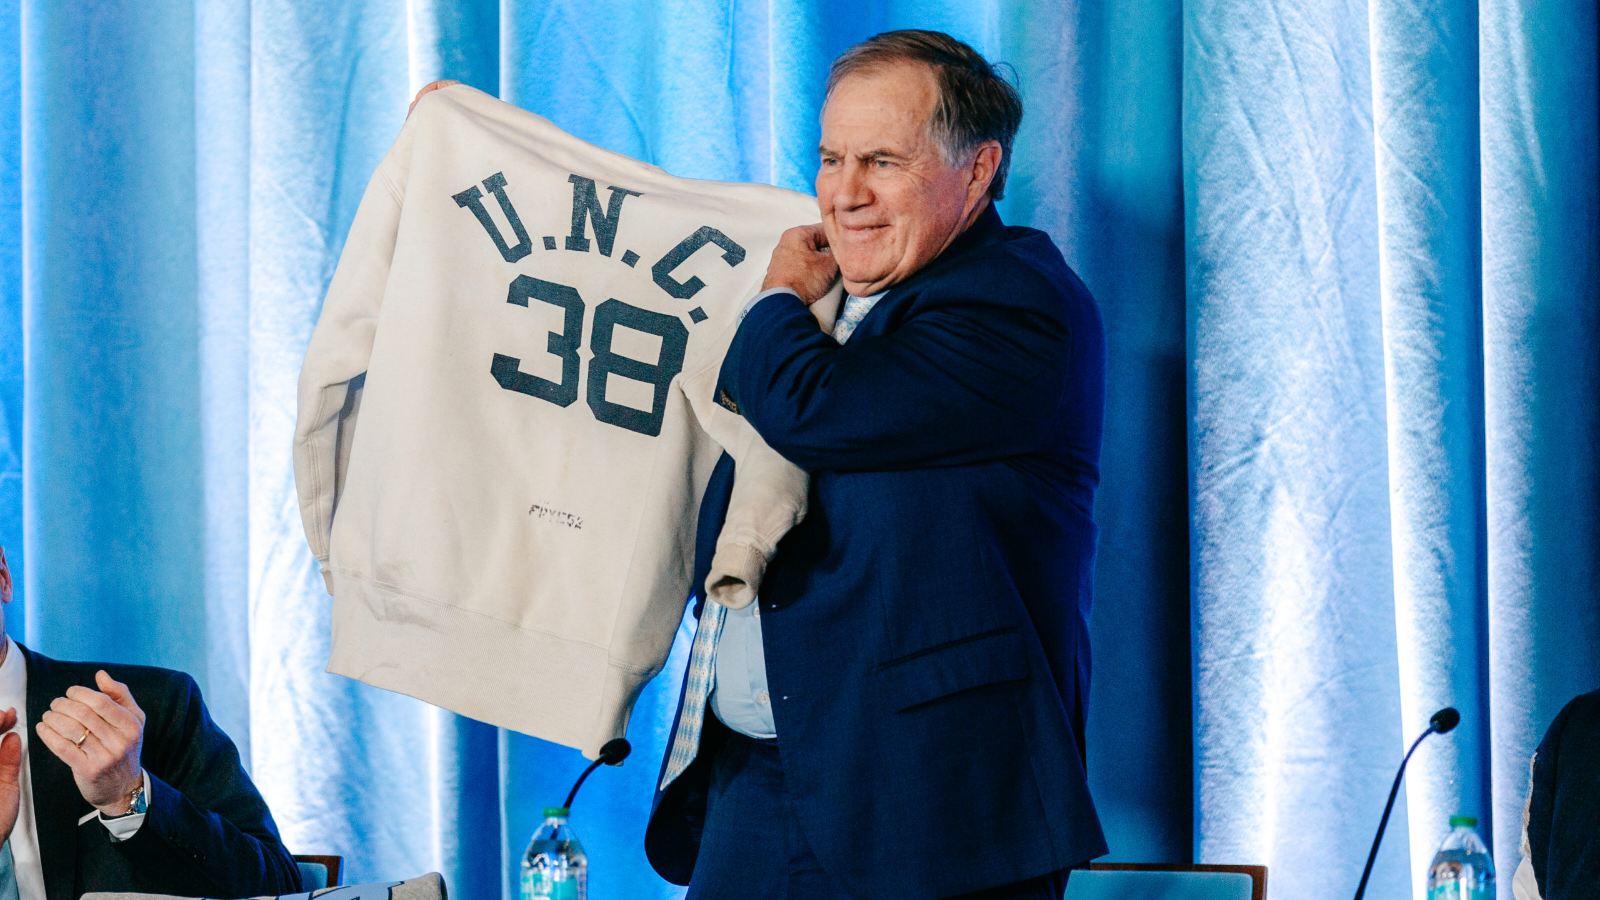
{"x":456,"y":39}
{"x":221,"y":116}
{"x":1296,"y":681}
{"x":1541,"y":312}
{"x":659,"y":82}
{"x":1491,"y":529}
{"x":1425,"y":123}
{"x":1098,"y":166}
{"x":805,"y":37}
{"x":12,"y":370}
{"x":113,"y":508}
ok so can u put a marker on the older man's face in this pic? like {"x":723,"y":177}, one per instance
{"x":890,"y":203}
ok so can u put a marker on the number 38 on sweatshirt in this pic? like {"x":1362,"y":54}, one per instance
{"x":506,"y":418}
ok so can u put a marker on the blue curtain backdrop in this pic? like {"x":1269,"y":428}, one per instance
{"x":1348,"y":255}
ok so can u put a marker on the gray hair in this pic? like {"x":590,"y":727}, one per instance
{"x":975,"y":103}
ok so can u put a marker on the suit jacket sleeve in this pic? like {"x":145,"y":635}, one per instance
{"x":965,"y":378}
{"x":207,"y":832}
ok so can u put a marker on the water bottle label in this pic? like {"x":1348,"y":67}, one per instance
{"x":542,"y":886}
{"x":1460,"y":890}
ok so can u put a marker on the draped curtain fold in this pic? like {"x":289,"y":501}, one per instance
{"x":1348,"y":256}
{"x":1393,"y":292}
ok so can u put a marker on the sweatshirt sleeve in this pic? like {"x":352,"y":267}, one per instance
{"x":337,"y":356}
{"x":768,"y":499}
{"x":769,"y":493}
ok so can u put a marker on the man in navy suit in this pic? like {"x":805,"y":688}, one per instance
{"x":103,"y":792}
{"x":901,"y":712}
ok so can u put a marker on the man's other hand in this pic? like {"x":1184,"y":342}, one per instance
{"x":802,"y":263}
{"x":98,"y":734}
{"x":10,"y":774}
{"x":428,"y":88}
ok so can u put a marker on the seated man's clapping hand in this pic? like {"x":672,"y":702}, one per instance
{"x":98,"y":734}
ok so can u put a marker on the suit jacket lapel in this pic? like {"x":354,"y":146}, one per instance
{"x":57,"y":805}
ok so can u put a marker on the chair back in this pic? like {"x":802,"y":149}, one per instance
{"x":318,"y":871}
{"x":1159,"y":881}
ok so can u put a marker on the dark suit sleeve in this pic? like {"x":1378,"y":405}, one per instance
{"x":964,"y":379}
{"x":207,"y":831}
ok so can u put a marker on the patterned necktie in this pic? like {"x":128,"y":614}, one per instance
{"x":855,"y":309}
{"x":703,"y":653}
{"x":702,"y":676}
{"x":8,"y":873}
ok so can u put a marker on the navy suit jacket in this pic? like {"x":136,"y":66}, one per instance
{"x":925,"y":626}
{"x":207,"y":832}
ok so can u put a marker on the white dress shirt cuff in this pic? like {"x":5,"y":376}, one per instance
{"x":124,"y":827}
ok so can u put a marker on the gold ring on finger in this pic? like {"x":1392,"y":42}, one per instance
{"x":81,"y":738}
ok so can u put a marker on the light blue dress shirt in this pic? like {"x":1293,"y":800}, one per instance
{"x":739,"y":694}
{"x":8,"y":875}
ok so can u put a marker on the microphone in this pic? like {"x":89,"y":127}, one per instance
{"x":612,"y":754}
{"x":1442,"y":722}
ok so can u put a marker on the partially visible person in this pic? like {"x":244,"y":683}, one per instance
{"x":1561,"y":827}
{"x":100,"y":791}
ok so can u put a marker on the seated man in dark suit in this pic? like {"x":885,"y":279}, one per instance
{"x":100,"y":791}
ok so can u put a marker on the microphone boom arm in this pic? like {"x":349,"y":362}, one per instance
{"x":1442,"y":722}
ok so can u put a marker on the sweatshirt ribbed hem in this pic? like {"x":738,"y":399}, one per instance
{"x":435,"y":653}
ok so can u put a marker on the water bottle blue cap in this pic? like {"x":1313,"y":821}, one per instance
{"x":551,"y":812}
{"x":1463,"y":822}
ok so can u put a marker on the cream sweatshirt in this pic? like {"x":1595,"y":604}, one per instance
{"x":506,"y":418}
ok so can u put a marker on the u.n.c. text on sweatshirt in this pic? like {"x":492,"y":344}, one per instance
{"x":506,"y":417}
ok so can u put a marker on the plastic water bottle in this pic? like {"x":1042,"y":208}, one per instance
{"x":555,"y":866}
{"x":1462,"y":869}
